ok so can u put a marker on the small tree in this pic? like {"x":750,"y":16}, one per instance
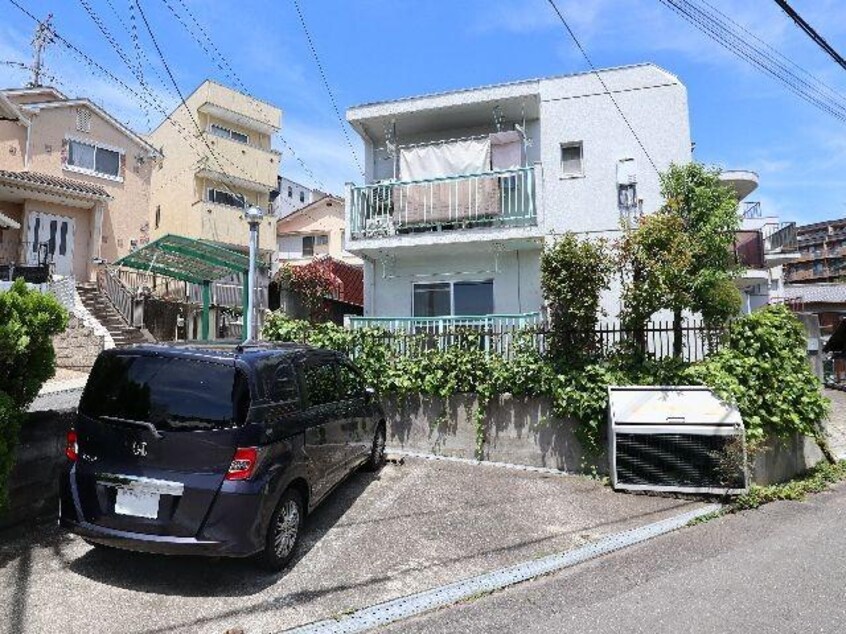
{"x":574,"y":273}
{"x":314,"y":283}
{"x":28,"y":320}
{"x":680,"y":258}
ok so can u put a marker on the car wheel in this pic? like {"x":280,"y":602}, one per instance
{"x":283,"y":532}
{"x":377,"y":452}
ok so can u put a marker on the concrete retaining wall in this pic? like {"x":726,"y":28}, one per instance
{"x":523,"y":431}
{"x":517,"y":430}
{"x":39,"y":459}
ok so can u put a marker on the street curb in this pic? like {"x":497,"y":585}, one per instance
{"x":383,"y":614}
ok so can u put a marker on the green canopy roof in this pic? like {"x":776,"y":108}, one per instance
{"x":186,"y":259}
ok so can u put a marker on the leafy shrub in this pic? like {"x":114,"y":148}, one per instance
{"x":764,"y":370}
{"x":761,"y":368}
{"x":28,"y":320}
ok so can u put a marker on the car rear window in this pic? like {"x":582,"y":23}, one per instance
{"x":172,"y":394}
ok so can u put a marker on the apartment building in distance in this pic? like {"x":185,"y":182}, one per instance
{"x":464,"y":188}
{"x":74,"y":185}
{"x":207,"y":180}
{"x":822,"y":253}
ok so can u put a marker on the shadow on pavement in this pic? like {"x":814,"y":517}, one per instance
{"x":212,"y":577}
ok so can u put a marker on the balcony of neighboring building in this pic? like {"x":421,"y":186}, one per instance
{"x":236,"y":108}
{"x":743,"y":182}
{"x":242,"y":154}
{"x":458,"y":168}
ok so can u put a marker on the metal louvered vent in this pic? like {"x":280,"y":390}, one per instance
{"x":678,"y":460}
{"x":681,"y":439}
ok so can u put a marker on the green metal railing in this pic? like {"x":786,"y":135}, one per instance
{"x":503,"y":198}
{"x":492,"y":333}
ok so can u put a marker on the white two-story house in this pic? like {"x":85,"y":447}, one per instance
{"x":464,"y":188}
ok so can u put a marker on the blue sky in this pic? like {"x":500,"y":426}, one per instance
{"x":383,"y":49}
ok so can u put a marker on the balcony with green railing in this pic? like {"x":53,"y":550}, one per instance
{"x":503,"y":198}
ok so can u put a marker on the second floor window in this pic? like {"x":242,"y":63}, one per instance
{"x":226,"y":133}
{"x":571,"y":159}
{"x":226,"y":198}
{"x":93,"y":158}
{"x":302,"y":196}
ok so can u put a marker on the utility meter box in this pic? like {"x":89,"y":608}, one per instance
{"x":675,"y":438}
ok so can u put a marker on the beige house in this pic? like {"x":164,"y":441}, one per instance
{"x":206,"y":181}
{"x":74,"y":183}
{"x":314,"y":230}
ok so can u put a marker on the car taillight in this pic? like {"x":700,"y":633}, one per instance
{"x":243,"y":464}
{"x":72,"y":448}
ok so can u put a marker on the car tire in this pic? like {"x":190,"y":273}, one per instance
{"x":283,"y":532}
{"x":376,"y":460}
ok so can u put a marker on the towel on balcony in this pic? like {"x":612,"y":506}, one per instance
{"x":506,"y":150}
{"x":470,"y":156}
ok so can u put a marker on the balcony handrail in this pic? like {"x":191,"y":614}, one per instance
{"x":492,"y":316}
{"x":444,"y":179}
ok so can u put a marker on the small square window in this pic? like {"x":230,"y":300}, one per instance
{"x":571,"y":159}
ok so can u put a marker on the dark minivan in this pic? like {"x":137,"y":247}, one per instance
{"x":216,"y":450}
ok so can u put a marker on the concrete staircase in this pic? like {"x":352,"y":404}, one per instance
{"x":102,"y":310}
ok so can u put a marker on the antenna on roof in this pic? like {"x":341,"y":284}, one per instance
{"x":43,"y":37}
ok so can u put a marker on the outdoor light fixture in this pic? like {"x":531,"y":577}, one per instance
{"x":254,"y":216}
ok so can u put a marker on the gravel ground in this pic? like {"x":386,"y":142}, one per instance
{"x":378,"y":537}
{"x":781,"y":568}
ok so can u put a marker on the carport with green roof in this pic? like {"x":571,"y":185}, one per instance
{"x":189,"y":260}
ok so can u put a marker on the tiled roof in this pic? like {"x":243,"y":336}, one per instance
{"x":817,"y":293}
{"x":36,"y":179}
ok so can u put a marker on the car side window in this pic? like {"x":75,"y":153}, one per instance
{"x":350,"y":382}
{"x":320,"y":385}
{"x":283,"y":384}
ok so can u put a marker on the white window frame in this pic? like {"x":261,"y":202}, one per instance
{"x":452,"y":284}
{"x":569,"y":145}
{"x":209,"y":198}
{"x":93,"y":172}
{"x":227,"y":133}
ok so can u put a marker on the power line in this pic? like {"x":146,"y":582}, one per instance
{"x":181,"y":96}
{"x":816,"y":37}
{"x":602,"y":81}
{"x":327,"y":86}
{"x":728,"y":37}
{"x":220,"y":60}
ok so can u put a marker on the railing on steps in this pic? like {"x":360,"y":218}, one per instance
{"x":130,"y":307}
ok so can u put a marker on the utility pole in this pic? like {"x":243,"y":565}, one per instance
{"x":43,"y":37}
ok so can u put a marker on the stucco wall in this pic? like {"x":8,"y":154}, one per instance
{"x":83,"y":225}
{"x":515,"y":275}
{"x":572,"y":109}
{"x":180,"y":193}
{"x":125,"y":216}
{"x":325,"y":216}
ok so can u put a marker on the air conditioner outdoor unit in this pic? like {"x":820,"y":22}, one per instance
{"x":675,"y":438}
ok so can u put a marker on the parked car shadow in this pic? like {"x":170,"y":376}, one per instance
{"x":191,"y":576}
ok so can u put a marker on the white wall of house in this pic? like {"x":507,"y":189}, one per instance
{"x":570,"y":109}
{"x":389,"y":288}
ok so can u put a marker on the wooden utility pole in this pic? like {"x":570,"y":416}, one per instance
{"x":43,"y":37}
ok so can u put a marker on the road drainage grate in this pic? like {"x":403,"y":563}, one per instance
{"x":398,"y":609}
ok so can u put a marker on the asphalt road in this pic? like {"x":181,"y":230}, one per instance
{"x":781,"y":568}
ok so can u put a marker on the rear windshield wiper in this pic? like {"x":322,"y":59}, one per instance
{"x":137,"y":423}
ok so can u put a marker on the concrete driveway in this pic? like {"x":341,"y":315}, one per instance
{"x":411,"y":527}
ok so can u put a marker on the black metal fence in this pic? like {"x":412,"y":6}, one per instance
{"x":693,"y":341}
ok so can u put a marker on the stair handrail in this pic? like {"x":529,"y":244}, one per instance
{"x":123,"y":298}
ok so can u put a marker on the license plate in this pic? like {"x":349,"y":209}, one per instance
{"x":130,"y":501}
